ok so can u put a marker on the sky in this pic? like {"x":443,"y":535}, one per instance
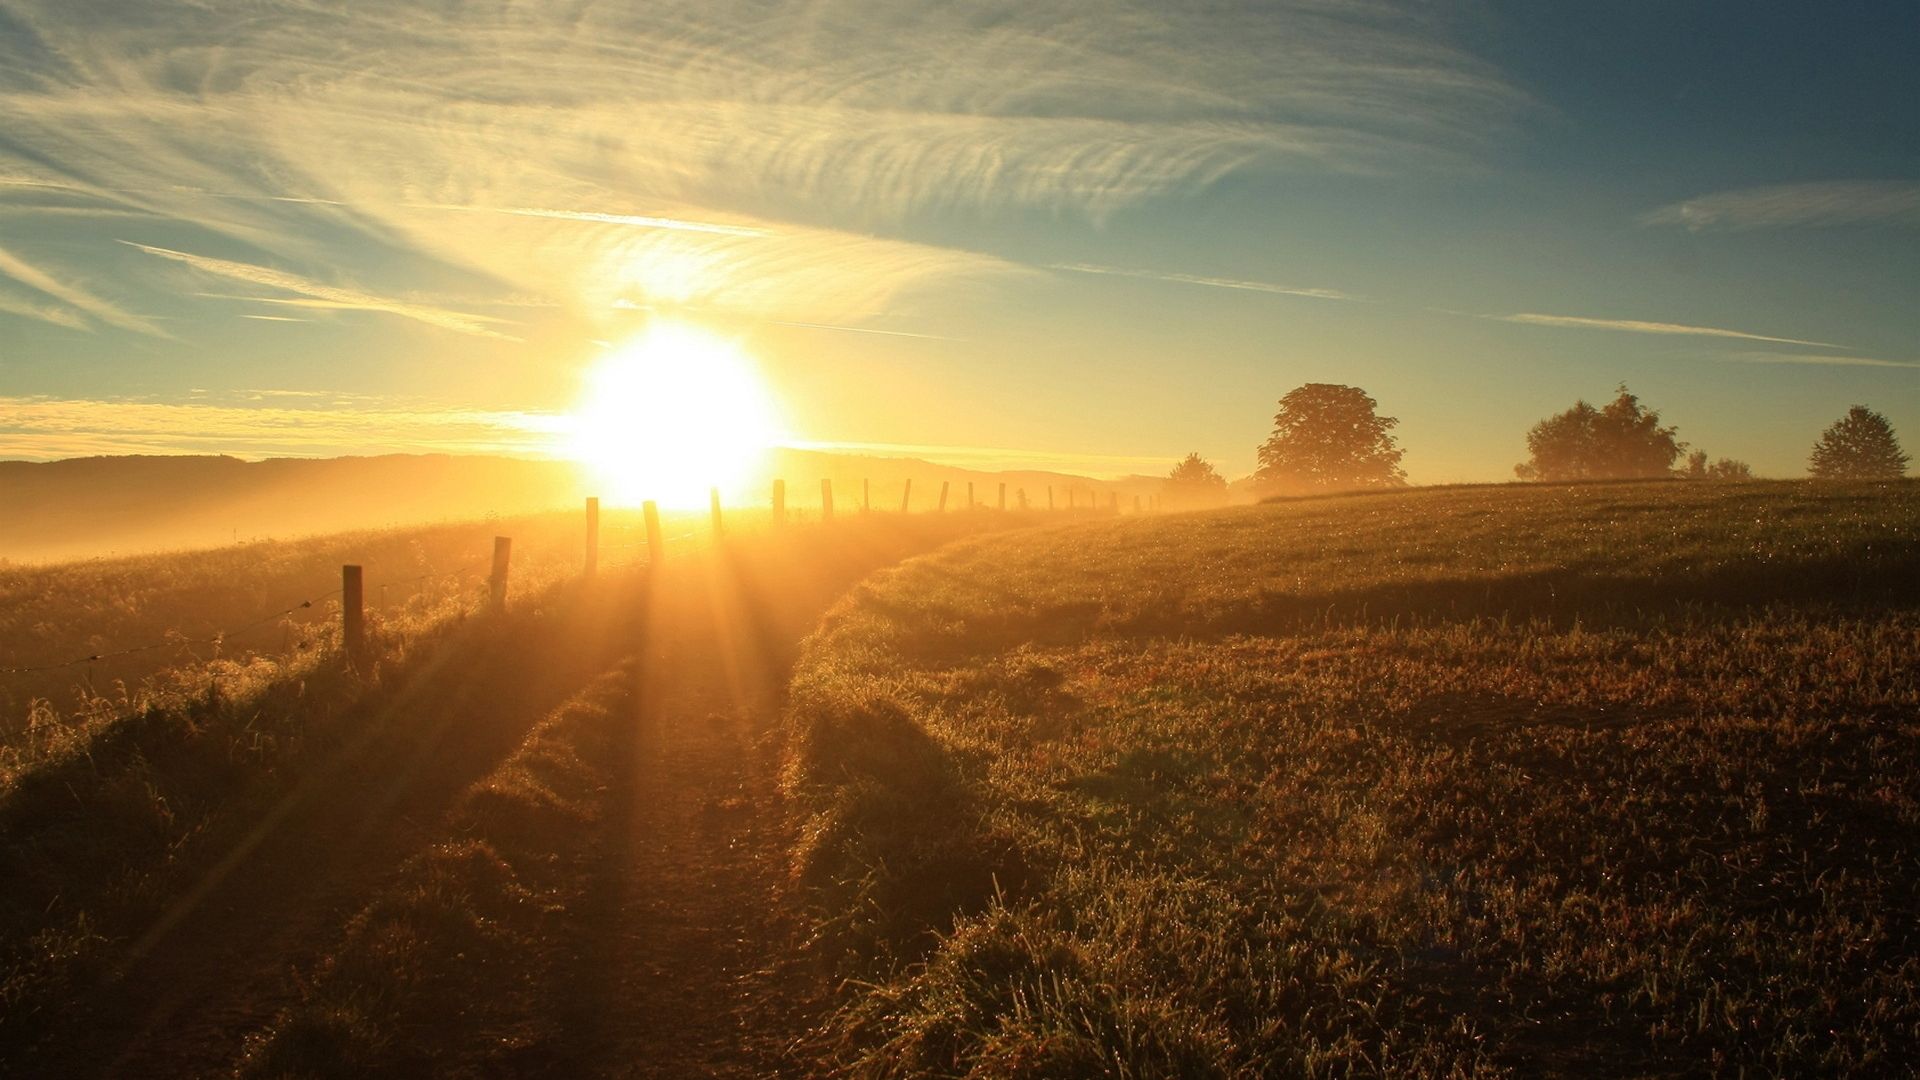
{"x":1090,"y":236}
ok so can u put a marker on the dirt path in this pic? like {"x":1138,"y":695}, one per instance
{"x":679,"y":951}
{"x":700,"y":934}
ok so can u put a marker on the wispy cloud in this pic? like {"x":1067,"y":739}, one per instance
{"x":327,"y":296}
{"x":771,"y":162}
{"x":28,"y":308}
{"x":1209,"y":282}
{"x":642,"y":221}
{"x":1637,"y":326}
{"x":624,"y":304}
{"x":1836,"y":202}
{"x":865,"y":330}
{"x":72,"y":295}
{"x":1819,"y":360}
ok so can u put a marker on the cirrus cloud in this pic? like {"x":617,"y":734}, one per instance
{"x":771,"y":161}
{"x":1838,"y":202}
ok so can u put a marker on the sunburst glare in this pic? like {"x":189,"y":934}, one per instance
{"x":672,"y":413}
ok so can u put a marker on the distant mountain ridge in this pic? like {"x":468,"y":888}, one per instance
{"x":83,"y":507}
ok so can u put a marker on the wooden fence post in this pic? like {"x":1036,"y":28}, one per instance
{"x":1113,"y":502}
{"x":497,"y":584}
{"x":826,"y":500}
{"x":656,"y":547}
{"x":943,"y":495}
{"x":969,"y":494}
{"x":1049,"y":496}
{"x":353,"y":616}
{"x":1136,"y":504}
{"x":779,"y":502}
{"x":1020,"y":499}
{"x":1003,"y":495}
{"x":713,"y":500}
{"x":906,"y":495}
{"x":593,"y":535}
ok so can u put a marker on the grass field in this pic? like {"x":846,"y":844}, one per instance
{"x":191,"y":850}
{"x":229,"y":620}
{"x":167,"y":620}
{"x":1616,"y":779}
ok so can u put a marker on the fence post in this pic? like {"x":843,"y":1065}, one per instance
{"x":779,"y":502}
{"x":713,"y":500}
{"x":353,"y":616}
{"x":1136,"y":504}
{"x":1003,"y":495}
{"x":497,"y":584}
{"x":1020,"y":499}
{"x":826,"y":500}
{"x":1113,"y":502}
{"x":943,"y":495}
{"x":906,"y":495}
{"x":656,"y":548}
{"x":969,"y":494}
{"x":593,"y":535}
{"x":866,"y":496}
{"x":1049,"y":496}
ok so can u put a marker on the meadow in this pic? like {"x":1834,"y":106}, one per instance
{"x":223,"y":619}
{"x":1520,"y":780}
{"x":1573,"y":780}
{"x":168,"y":867}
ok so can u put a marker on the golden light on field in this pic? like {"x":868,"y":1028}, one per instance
{"x":672,"y":413}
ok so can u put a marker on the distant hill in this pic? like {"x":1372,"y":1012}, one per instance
{"x":84,"y":507}
{"x":91,"y":506}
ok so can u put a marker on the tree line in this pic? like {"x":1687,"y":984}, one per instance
{"x":1328,"y":437}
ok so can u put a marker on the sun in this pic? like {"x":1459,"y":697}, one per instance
{"x":671,"y":414}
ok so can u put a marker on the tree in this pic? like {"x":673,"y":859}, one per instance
{"x":1859,"y":446}
{"x":1729,"y":469}
{"x":1620,"y":442}
{"x":1724,"y":469}
{"x":1329,"y":438}
{"x":1194,"y":482}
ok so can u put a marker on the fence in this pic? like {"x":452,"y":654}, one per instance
{"x":352,"y":591}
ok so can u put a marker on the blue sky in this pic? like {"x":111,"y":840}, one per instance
{"x":1094,"y":236}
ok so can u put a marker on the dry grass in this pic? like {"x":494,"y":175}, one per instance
{"x":1608,"y":779}
{"x":424,"y":967}
{"x":201,"y":617}
{"x":494,"y":951}
{"x":105,"y":830}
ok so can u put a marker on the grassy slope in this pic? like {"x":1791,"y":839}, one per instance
{"x":490,"y":952}
{"x":417,"y":985}
{"x":1574,"y":780}
{"x":100,"y":843}
{"x":178,"y":600}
